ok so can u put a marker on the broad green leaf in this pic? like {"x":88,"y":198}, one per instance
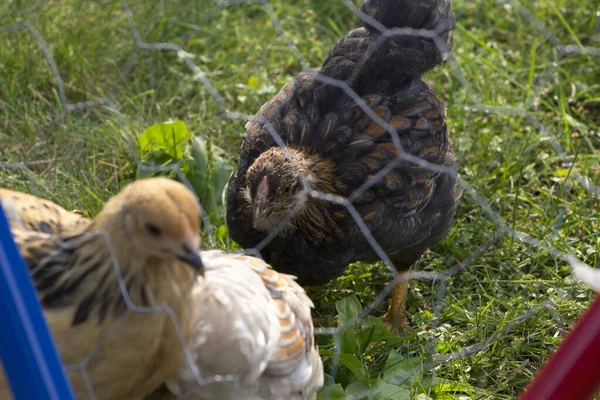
{"x":372,"y":330}
{"x":376,"y":390}
{"x":386,"y":391}
{"x":348,"y":310}
{"x":360,"y":388}
{"x":168,"y":139}
{"x":348,"y":361}
{"x":400,"y":370}
{"x":205,"y":166}
{"x":221,"y":233}
{"x":333,"y":392}
{"x":428,"y":382}
{"x":209,"y":174}
{"x":350,"y":343}
{"x":162,"y":145}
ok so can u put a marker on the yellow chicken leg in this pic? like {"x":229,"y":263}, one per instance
{"x":395,"y":318}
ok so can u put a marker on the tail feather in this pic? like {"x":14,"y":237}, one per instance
{"x":371,"y":60}
{"x":432,"y":15}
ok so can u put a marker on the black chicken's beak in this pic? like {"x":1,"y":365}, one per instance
{"x":261,"y":200}
{"x":258,"y":210}
{"x":192,"y":257}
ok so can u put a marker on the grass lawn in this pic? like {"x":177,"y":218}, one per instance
{"x":524,"y":118}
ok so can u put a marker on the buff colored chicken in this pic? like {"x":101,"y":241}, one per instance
{"x":341,"y":148}
{"x":253,"y":324}
{"x":40,"y":215}
{"x":153,"y":229}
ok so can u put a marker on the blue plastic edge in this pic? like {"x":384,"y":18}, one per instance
{"x":28,"y":353}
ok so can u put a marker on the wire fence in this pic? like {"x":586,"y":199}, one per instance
{"x":538,"y":242}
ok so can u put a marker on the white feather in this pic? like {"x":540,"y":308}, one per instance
{"x":587,"y":275}
{"x":236,"y":333}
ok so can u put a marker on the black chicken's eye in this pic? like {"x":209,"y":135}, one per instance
{"x":153,"y":229}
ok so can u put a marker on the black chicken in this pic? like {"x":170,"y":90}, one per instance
{"x":334,"y":147}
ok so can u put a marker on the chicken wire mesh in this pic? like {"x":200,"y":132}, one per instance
{"x":38,"y":163}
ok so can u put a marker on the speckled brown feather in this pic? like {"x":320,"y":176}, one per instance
{"x":126,"y":354}
{"x":40,"y":215}
{"x":293,"y":313}
{"x":407,"y":209}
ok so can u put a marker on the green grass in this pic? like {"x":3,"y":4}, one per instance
{"x":503,"y":71}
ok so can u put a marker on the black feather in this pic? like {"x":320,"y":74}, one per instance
{"x":408,"y":209}
{"x":144,"y":296}
{"x":85,"y":307}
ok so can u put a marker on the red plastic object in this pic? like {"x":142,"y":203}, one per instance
{"x":573,"y":371}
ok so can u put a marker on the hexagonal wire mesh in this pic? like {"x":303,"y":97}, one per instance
{"x":472,"y":104}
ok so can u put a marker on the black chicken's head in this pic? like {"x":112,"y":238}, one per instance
{"x":275,"y":191}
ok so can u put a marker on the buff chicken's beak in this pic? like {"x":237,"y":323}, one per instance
{"x":192,"y":257}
